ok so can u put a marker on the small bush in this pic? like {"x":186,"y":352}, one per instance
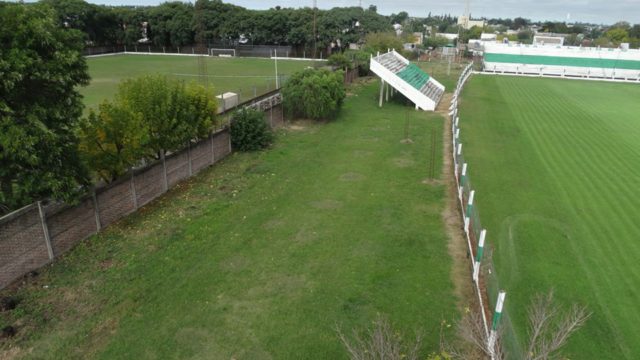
{"x":250,"y":131}
{"x":340,"y":61}
{"x":314,"y":94}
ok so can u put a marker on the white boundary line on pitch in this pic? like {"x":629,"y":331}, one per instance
{"x":204,"y":55}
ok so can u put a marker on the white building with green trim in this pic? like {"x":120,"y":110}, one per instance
{"x":563,"y":61}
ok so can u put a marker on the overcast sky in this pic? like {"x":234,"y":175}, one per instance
{"x":575,"y":10}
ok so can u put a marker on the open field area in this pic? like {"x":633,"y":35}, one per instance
{"x":555,"y":167}
{"x":239,"y":75}
{"x":438,"y":69}
{"x":263,"y":255}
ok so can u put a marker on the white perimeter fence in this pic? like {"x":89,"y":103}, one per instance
{"x":490,"y":295}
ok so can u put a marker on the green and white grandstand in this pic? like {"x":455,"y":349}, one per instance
{"x":563,"y":61}
{"x":408,"y":79}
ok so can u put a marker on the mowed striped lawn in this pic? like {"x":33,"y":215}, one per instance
{"x":556,"y":168}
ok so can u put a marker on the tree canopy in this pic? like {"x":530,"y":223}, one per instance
{"x":41,"y":68}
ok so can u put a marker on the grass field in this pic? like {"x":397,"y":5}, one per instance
{"x":261,"y":256}
{"x":556,"y":167}
{"x":439,"y":70}
{"x":239,"y":75}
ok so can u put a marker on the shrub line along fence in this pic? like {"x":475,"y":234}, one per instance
{"x":483,"y":271}
{"x":35,"y":235}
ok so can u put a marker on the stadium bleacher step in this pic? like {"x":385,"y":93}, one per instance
{"x":408,"y":79}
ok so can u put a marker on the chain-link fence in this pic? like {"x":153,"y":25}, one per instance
{"x":485,"y":276}
{"x":262,"y":51}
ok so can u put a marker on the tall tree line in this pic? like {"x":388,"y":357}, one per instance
{"x":216,"y":22}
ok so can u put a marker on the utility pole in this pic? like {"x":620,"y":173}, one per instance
{"x":315,"y":28}
{"x":276,"y":60}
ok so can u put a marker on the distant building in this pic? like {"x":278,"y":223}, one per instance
{"x":548,"y":40}
{"x":467,"y":23}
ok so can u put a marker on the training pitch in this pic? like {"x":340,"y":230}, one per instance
{"x":244,"y":76}
{"x":555,"y":165}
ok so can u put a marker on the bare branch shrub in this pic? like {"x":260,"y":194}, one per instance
{"x":550,"y":327}
{"x":380,"y":342}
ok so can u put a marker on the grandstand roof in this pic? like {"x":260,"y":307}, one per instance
{"x":562,"y":61}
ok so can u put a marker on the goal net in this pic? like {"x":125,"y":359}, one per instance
{"x":222,"y":52}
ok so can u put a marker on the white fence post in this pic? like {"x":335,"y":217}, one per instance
{"x":463,"y":177}
{"x":494,"y":325}
{"x":479,"y":252}
{"x":467,"y":217}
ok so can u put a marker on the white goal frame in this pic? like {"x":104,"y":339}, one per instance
{"x":230,"y":52}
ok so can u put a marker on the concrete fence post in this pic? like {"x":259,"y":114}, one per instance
{"x":45,"y":230}
{"x":165,"y":181}
{"x":189,"y":158}
{"x":96,"y":210}
{"x":132,"y":186}
{"x":271,"y":116}
{"x":213,"y":152}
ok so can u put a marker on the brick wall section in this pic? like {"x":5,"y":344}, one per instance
{"x":149,"y":183}
{"x":275,"y":116}
{"x":177,"y":168}
{"x":22,"y":241}
{"x":115,"y":202}
{"x":67,"y":224}
{"x":22,"y":245}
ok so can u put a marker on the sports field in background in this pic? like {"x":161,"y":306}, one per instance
{"x":239,"y":75}
{"x":264,"y":254}
{"x":556,"y":169}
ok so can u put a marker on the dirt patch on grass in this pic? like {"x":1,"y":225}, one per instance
{"x":362,"y":153}
{"x":457,"y":246}
{"x":403,"y":162}
{"x":11,"y":353}
{"x":352,"y":176}
{"x":326,"y":204}
{"x":273,"y":223}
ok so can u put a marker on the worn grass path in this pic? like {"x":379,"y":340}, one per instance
{"x":262,"y":256}
{"x":555,"y":168}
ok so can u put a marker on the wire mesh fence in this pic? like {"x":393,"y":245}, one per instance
{"x":487,"y":284}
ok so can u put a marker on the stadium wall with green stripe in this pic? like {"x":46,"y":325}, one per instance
{"x":566,"y":61}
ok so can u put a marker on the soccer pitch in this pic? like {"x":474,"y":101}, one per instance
{"x":239,"y":75}
{"x":555,"y":165}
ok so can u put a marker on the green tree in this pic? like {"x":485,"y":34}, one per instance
{"x":113,"y":140}
{"x":382,"y":42}
{"x":617,"y":35}
{"x":250,"y":131}
{"x":314,"y":93}
{"x":41,"y":68}
{"x":172,"y":112}
{"x":171,"y":24}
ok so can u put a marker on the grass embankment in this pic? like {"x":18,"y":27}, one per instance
{"x":555,"y":167}
{"x":264,"y":254}
{"x":239,"y":75}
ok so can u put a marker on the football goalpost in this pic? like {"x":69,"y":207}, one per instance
{"x":222,"y":52}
